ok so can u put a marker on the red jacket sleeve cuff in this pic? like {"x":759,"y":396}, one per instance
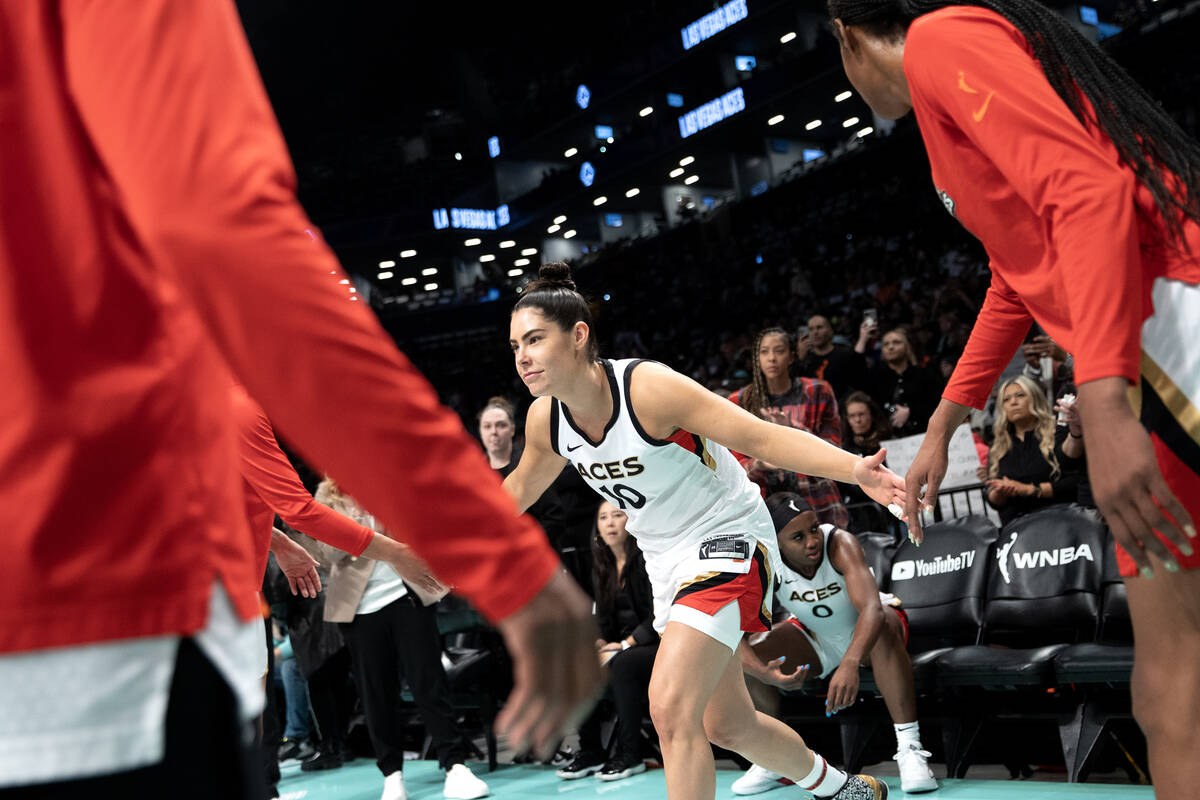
{"x":955,"y":395}
{"x":1123,"y":368}
{"x":506,"y":599}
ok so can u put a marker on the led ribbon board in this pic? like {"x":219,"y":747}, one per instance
{"x":713,"y":23}
{"x":712,"y":112}
{"x":475,"y":219}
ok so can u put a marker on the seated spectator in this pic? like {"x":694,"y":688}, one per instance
{"x":1072,"y":447}
{"x":864,"y":426}
{"x":1028,"y":469}
{"x":628,"y":644}
{"x":838,"y":365}
{"x":391,"y":631}
{"x":804,"y":403}
{"x":908,"y":392}
{"x":828,"y":591}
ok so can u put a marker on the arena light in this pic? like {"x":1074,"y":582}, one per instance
{"x":521,"y":262}
{"x":429,"y":287}
{"x":599,"y":201}
{"x":486,"y":257}
{"x":609,"y":140}
{"x":512,"y":273}
{"x":407,"y":253}
{"x":634,"y":192}
{"x":472,"y":242}
{"x":569,"y":234}
{"x":383,"y":276}
{"x":690,"y":179}
{"x":647,"y":111}
{"x":867,"y":131}
{"x":386,"y":264}
{"x":787,"y":37}
{"x":429,"y":271}
{"x":570,"y":151}
{"x":683,"y":162}
{"x":850,"y":122}
{"x":458,"y":156}
{"x":846,"y":95}
{"x":555,"y":228}
{"x":408,"y":281}
{"x":560,"y":219}
{"x":529,"y":251}
{"x":675,"y":173}
{"x":507,"y":243}
{"x":816,"y":123}
{"x":775,"y":120}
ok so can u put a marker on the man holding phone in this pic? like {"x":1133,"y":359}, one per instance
{"x":841,"y":366}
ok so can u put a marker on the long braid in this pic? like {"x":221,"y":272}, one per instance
{"x":754,"y":397}
{"x":1146,"y":137}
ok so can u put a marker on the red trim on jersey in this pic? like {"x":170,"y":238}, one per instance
{"x":688,"y":441}
{"x":711,"y":595}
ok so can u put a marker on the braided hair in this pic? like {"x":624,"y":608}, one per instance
{"x":754,"y":397}
{"x":1162,"y":156}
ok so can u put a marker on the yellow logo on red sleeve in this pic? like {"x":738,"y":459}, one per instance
{"x":979,"y":113}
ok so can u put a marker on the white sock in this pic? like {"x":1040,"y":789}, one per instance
{"x":908,"y":735}
{"x":824,"y":779}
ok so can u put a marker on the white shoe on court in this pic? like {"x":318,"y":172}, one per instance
{"x":758,"y":780}
{"x":393,"y":787}
{"x":915,"y":774}
{"x":461,"y":784}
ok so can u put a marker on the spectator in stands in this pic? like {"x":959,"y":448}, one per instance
{"x":1072,"y":447}
{"x":864,"y":425}
{"x":628,"y":644}
{"x":836,"y":364}
{"x":392,"y":633}
{"x":907,"y":391}
{"x":804,"y":403}
{"x":566,"y":510}
{"x":1028,"y":469}
{"x":296,"y":732}
{"x":1047,"y":364}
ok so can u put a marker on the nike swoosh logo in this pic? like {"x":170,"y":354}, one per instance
{"x":978,"y":115}
{"x":573,"y":449}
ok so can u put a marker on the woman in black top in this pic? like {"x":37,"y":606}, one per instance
{"x":908,"y":392}
{"x":864,"y":428}
{"x":1027,"y":467}
{"x":628,"y":644}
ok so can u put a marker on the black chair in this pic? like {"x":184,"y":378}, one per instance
{"x":1099,"y":671}
{"x":879,"y":548}
{"x":1043,"y":593}
{"x":941,"y":586}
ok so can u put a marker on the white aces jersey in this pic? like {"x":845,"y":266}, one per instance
{"x":691,"y":507}
{"x":820,"y":603}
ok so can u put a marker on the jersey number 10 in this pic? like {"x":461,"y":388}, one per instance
{"x":621,"y":495}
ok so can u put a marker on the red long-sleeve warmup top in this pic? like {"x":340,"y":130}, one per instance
{"x":1075,"y":242}
{"x":149,"y":230}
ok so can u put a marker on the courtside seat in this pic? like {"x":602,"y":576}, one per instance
{"x":997,"y":668}
{"x":879,"y":548}
{"x":1094,"y":663}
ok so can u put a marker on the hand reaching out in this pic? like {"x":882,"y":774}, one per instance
{"x":297,"y":565}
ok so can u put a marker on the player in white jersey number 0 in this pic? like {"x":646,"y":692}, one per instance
{"x":654,"y":443}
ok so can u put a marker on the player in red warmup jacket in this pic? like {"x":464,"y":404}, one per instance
{"x":1086,"y":196}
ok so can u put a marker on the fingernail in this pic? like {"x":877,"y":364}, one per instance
{"x":1147,"y":572}
{"x":1172,"y":566}
{"x":827,"y":715}
{"x":782,"y":659}
{"x":1186,"y":549}
{"x":1190,"y":530}
{"x":804,"y":666}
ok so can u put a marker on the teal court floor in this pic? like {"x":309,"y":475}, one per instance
{"x":360,"y":780}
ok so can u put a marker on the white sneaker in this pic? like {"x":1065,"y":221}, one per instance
{"x":915,"y":774}
{"x":461,"y":784}
{"x":393,"y":787}
{"x":758,"y":780}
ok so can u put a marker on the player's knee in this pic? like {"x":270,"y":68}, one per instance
{"x":1158,"y":691}
{"x":673,"y":713}
{"x":727,"y":731}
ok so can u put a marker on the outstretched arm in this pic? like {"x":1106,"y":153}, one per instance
{"x":539,"y":465}
{"x":666,"y":401}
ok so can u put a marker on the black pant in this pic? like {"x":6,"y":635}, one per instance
{"x":269,"y":740}
{"x":627,"y":691}
{"x":206,"y":755}
{"x":402,"y":639}
{"x":329,"y":696}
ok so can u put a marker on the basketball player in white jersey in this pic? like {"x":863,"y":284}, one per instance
{"x":646,"y":439}
{"x":828,"y":590}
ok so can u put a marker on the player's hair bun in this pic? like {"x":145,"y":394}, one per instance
{"x":555,"y":275}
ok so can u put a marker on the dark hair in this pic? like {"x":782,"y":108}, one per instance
{"x":881,"y":427}
{"x":1146,"y":137}
{"x":554,"y":294}
{"x":753,"y":397}
{"x":604,"y":564}
{"x":502,"y":404}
